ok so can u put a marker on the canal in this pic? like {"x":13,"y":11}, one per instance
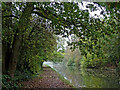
{"x":88,"y":78}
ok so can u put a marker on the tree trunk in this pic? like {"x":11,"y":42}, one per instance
{"x":6,"y":50}
{"x":22,"y":25}
{"x":6,"y":55}
{"x":41,"y":65}
{"x":3,"y":58}
{"x":14,"y":57}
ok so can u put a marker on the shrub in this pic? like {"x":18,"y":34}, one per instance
{"x":92,"y":61}
{"x":8,"y":83}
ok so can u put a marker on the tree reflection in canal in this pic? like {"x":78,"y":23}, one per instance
{"x":89,"y":78}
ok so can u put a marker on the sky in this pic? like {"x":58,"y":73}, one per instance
{"x":92,"y":14}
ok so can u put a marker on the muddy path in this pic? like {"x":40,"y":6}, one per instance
{"x":48,"y":79}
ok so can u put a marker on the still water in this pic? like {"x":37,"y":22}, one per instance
{"x":88,"y":78}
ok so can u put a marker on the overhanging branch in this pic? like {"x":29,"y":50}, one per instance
{"x":11,"y":16}
{"x":40,"y":14}
{"x":45,"y":14}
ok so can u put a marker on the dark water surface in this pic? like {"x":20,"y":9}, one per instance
{"x":88,"y":78}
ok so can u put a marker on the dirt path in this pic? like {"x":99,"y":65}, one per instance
{"x":49,"y":79}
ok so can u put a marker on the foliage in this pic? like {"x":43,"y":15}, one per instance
{"x":38,"y":47}
{"x":35,"y":63}
{"x":7,"y":83}
{"x":14,"y":83}
{"x":92,"y":61}
{"x":57,"y":56}
{"x":28,"y":33}
{"x":101,"y":38}
{"x":72,"y":58}
{"x":111,"y":49}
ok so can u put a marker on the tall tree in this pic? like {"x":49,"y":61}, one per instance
{"x":66,"y":19}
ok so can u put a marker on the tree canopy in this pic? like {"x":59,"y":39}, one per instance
{"x":29,"y":30}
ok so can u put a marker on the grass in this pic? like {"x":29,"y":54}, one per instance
{"x":45,"y":65}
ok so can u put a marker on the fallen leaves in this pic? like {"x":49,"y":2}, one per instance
{"x":48,"y":79}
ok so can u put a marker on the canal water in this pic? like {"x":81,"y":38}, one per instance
{"x":88,"y":78}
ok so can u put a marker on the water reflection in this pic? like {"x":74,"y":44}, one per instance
{"x":89,"y":78}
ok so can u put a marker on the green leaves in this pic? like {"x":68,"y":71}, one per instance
{"x":65,"y":19}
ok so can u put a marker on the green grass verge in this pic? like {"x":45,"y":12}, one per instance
{"x":45,"y":65}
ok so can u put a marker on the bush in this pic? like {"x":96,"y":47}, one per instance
{"x":57,"y":57}
{"x":8,"y":83}
{"x":92,"y":61}
{"x":14,"y":83}
{"x":35,"y":64}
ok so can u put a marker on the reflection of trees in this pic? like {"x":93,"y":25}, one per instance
{"x":71,"y":73}
{"x":97,"y":80}
{"x":88,"y":77}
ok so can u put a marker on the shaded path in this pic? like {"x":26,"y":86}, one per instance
{"x":49,"y":79}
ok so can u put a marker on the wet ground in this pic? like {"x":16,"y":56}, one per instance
{"x":48,"y":79}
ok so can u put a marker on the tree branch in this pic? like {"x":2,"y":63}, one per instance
{"x":45,"y":14}
{"x":11,"y":16}
{"x":40,"y":14}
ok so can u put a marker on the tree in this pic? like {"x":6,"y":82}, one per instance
{"x":65,"y":19}
{"x":38,"y":47}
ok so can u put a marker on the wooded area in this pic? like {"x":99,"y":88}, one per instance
{"x":30,"y":33}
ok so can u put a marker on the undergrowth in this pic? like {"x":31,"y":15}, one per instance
{"x":9,"y":83}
